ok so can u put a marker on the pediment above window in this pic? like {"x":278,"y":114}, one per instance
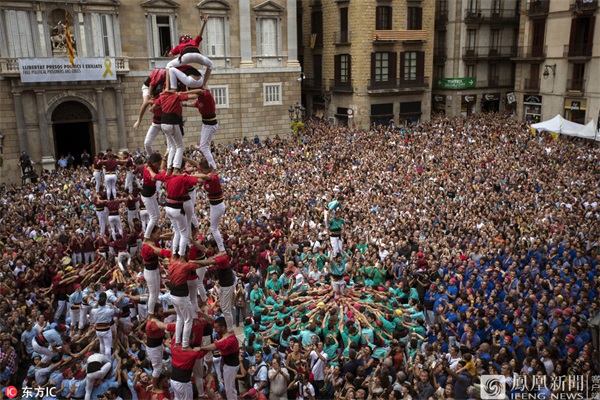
{"x":169,"y":4}
{"x":269,"y":7}
{"x":215,"y":5}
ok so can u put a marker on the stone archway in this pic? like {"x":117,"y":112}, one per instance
{"x":73,"y":130}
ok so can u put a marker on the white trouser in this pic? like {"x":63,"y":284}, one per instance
{"x":115,"y":225}
{"x":46,"y":353}
{"x":229,"y":374}
{"x":131,"y":214}
{"x":216,"y":213}
{"x":336,"y":245}
{"x":180,"y":232}
{"x":184,"y":322}
{"x":188,"y":80}
{"x":201,"y":290}
{"x":338,"y":286}
{"x":207,"y":340}
{"x":123,"y":255}
{"x":174,"y":144}
{"x":105,"y":338}
{"x":226,"y":295}
{"x":155,"y":354}
{"x":190,"y":58}
{"x":217,"y":367}
{"x":153,"y":211}
{"x":145,"y":218}
{"x":61,"y":309}
{"x":110,"y":181}
{"x":77,"y":258}
{"x":206,"y":138}
{"x":89,"y":257}
{"x":193,"y":288}
{"x":91,"y":378}
{"x":75,"y":317}
{"x":153,"y":282}
{"x":190,"y":214}
{"x":83,"y":316}
{"x":199,"y":375}
{"x":98,"y":180}
{"x":142,"y":311}
{"x":129,"y":181}
{"x":102,"y":220}
{"x":182,"y":391}
{"x":153,"y":131}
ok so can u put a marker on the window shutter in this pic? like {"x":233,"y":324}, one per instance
{"x":155,"y":37}
{"x":590,"y":36}
{"x":97,"y":35}
{"x":337,"y":66}
{"x":373,"y":68}
{"x":420,"y":65}
{"x":110,"y":37}
{"x":392,"y":66}
{"x":418,"y":18}
{"x":573,"y":37}
{"x":173,"y":32}
{"x":26,"y":34}
{"x":402,"y":66}
{"x":349,"y":72}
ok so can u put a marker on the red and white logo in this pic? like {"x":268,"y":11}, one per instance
{"x":11,"y":392}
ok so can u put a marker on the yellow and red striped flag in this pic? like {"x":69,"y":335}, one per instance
{"x":69,"y":41}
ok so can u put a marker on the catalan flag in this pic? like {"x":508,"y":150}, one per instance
{"x":69,"y":41}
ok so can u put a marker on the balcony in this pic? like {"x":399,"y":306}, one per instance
{"x":497,"y":82}
{"x":341,"y":38}
{"x":439,"y":55}
{"x":531,"y":85}
{"x":315,"y":85}
{"x":583,"y":6}
{"x":531,"y":53}
{"x":441,"y":12}
{"x":420,"y":83}
{"x":486,"y":52}
{"x":501,"y":16}
{"x":538,"y":8}
{"x":389,"y":36}
{"x":9,"y":67}
{"x":575,"y":86}
{"x":337,"y":85}
{"x":578,"y":50}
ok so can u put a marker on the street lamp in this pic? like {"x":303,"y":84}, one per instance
{"x":296,"y":112}
{"x":547,"y":73}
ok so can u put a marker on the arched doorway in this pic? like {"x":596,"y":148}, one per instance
{"x":73,"y":130}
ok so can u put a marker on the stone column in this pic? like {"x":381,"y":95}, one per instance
{"x":292,"y":34}
{"x":21,"y":127}
{"x":101,"y":119}
{"x":245,"y":34}
{"x":121,"y":119}
{"x":48,"y":161}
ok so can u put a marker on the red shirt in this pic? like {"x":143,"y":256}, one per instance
{"x":180,"y":271}
{"x":152,"y":330}
{"x":113,"y":206}
{"x":157,"y":77}
{"x":206,"y":104}
{"x":102,"y":244}
{"x":149,"y":256}
{"x":178,"y":185}
{"x":97,"y":164}
{"x":111,"y":165}
{"x":213,"y":188}
{"x":148,"y":180}
{"x":190,"y":43}
{"x":120,"y":244}
{"x":170,"y":103}
{"x":197,"y":328}
{"x":184,"y":359}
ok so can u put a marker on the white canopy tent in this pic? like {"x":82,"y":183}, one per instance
{"x":563,"y":126}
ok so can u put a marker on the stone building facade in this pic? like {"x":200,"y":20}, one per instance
{"x":253,"y":44}
{"x":369,"y":58}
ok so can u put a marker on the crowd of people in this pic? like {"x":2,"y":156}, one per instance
{"x":406,"y":263}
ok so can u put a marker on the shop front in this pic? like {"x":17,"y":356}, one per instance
{"x":532,"y":105}
{"x":439,"y":104}
{"x":467,"y":104}
{"x":575,"y":110}
{"x":490,"y":102}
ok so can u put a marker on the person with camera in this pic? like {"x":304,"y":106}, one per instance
{"x":306,"y":390}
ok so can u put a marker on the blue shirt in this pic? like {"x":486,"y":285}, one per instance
{"x":103,"y":314}
{"x":26,"y":338}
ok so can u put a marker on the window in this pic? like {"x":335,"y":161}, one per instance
{"x":410,"y":66}
{"x":495,"y":6}
{"x":163,"y":31}
{"x":383,"y":15}
{"x":472,"y":6}
{"x":494,"y":39}
{"x":471,"y":38}
{"x":215,"y":37}
{"x":342,"y":69}
{"x":381,"y":67}
{"x":316,"y":23}
{"x":20,"y":38}
{"x":103,"y":35}
{"x":414,"y":19}
{"x":470,"y":71}
{"x":344,"y":35}
{"x":268,"y":36}
{"x":221,"y":95}
{"x":493,"y":74}
{"x":272,"y":94}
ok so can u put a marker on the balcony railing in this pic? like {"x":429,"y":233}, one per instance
{"x":497,"y":82}
{"x":578,"y":50}
{"x":582,"y":6}
{"x":342,"y":37}
{"x":491,"y":15}
{"x":532,"y":52}
{"x":576,"y":85}
{"x":538,"y":8}
{"x":532,"y":85}
{"x":420,"y":82}
{"x":489,"y":52}
{"x":440,"y":53}
{"x":337,"y":85}
{"x":10,"y":66}
{"x":473,"y":15}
